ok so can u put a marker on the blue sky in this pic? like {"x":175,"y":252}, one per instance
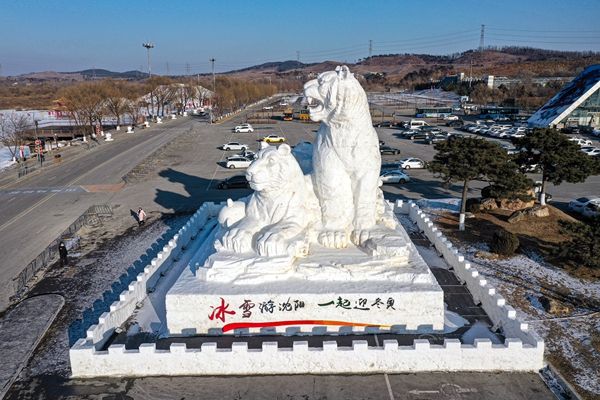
{"x":40,"y":35}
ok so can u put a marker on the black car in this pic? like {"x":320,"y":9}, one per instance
{"x":436,"y":138}
{"x":388,"y":150}
{"x":235,"y":182}
{"x":391,"y":166}
{"x":455,"y":124}
{"x":420,"y":134}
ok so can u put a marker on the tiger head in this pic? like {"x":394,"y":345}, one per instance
{"x":275,"y":169}
{"x":336,"y":95}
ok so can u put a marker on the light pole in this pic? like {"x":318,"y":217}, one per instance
{"x":148,"y":46}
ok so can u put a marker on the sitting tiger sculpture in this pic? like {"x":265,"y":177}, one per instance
{"x":275,"y":219}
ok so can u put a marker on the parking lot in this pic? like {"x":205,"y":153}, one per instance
{"x":423,"y":184}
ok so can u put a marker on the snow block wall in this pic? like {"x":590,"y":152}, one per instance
{"x":522,"y":350}
{"x":145,"y":282}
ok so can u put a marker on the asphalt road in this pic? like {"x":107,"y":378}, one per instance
{"x":35,"y":210}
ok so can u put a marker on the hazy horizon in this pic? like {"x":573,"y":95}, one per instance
{"x":72,"y":36}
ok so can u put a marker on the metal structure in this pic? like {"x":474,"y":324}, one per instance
{"x":481,"y":38}
{"x":148,"y":46}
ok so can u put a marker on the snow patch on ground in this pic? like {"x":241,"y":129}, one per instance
{"x":450,"y":204}
{"x":523,"y":280}
{"x":479,"y":330}
{"x":85,"y":285}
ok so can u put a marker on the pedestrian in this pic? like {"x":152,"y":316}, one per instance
{"x":141,"y":214}
{"x":64,"y":254}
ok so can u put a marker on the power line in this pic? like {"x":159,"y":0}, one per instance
{"x":493,"y":28}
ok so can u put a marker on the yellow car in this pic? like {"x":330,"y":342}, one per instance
{"x":273,"y":139}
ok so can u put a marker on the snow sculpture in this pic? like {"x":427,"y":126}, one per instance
{"x":338,"y":201}
{"x":346,"y":159}
{"x":274,"y":220}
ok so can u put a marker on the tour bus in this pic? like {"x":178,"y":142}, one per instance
{"x":433,"y":112}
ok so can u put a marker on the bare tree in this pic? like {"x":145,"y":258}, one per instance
{"x":13,"y":128}
{"x":114,"y":93}
{"x":84,"y":102}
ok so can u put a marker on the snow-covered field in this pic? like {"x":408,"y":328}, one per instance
{"x":534,"y":288}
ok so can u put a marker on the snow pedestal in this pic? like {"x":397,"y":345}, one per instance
{"x":129,"y":129}
{"x":108,"y":137}
{"x":330,"y":287}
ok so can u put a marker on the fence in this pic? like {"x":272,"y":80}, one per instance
{"x":51,"y":251}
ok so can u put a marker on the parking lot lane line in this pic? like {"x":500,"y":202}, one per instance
{"x":385,"y":376}
{"x":229,"y":139}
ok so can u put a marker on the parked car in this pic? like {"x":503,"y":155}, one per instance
{"x":419,"y":135}
{"x":384,"y":124}
{"x":243,"y":128}
{"x":388,"y":150}
{"x":235,"y":182}
{"x":238,"y":162}
{"x":457,"y":123}
{"x":586,"y":206}
{"x":267,"y":107}
{"x":234,"y":146}
{"x":591,"y":151}
{"x":273,"y":139}
{"x":436,"y":137}
{"x":391,"y":166}
{"x":581,"y":142}
{"x":394,"y":177}
{"x":451,"y":118}
{"x":408,"y":163}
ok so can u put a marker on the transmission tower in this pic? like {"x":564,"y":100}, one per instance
{"x":187,"y":68}
{"x":297,"y":56}
{"x":370,"y":48}
{"x":168,"y":72}
{"x":481,"y":38}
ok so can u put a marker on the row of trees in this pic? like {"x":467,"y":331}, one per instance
{"x":467,"y":159}
{"x":88,"y":103}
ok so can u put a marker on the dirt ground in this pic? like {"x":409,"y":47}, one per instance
{"x":559,"y":300}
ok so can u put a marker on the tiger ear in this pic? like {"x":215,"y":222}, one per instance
{"x":284,"y":149}
{"x":343,"y":71}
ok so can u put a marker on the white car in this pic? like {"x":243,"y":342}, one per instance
{"x":244,"y":128}
{"x":591,"y":151}
{"x":234,"y":146}
{"x":451,"y":118}
{"x":267,"y":107}
{"x":238,"y":162}
{"x":408,"y":163}
{"x":588,"y":207}
{"x":394,"y":177}
{"x":581,"y":142}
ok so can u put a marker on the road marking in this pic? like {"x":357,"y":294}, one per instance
{"x":72,"y":183}
{"x":385,"y":376}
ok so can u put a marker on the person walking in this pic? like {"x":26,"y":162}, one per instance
{"x":141,"y":214}
{"x":64,"y":254}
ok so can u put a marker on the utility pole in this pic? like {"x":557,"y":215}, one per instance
{"x":370,"y":48}
{"x":297,"y":55}
{"x":148,"y":46}
{"x":212,"y":61}
{"x":481,"y":38}
{"x":471,"y":70}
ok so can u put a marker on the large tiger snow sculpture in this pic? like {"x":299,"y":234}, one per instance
{"x":346,"y":158}
{"x":275,"y":219}
{"x":337,"y":202}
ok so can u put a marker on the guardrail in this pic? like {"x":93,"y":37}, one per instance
{"x":49,"y":254}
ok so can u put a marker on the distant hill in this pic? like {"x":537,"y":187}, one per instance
{"x":86,"y":74}
{"x":506,"y":61}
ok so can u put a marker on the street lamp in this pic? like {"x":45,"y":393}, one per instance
{"x":148,"y":46}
